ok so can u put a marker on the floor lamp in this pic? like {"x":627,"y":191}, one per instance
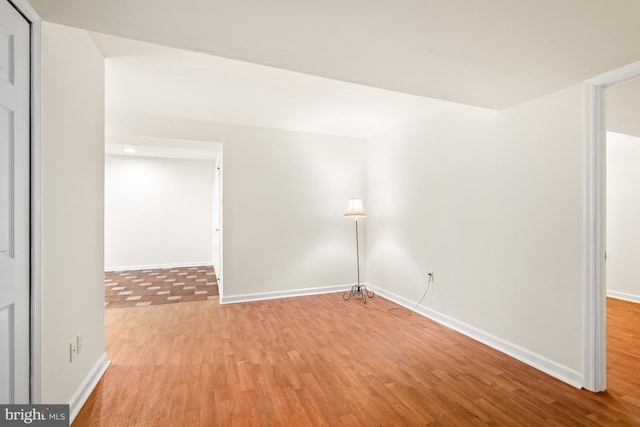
{"x":355,"y":211}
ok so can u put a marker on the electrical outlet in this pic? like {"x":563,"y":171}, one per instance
{"x":79,"y":339}
{"x":73,"y":350}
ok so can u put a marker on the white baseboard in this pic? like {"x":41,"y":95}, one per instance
{"x":154,"y":266}
{"x":232,"y":299}
{"x":86,"y":387}
{"x":623,"y":296}
{"x":561,"y":372}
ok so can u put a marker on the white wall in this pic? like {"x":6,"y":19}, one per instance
{"x":72,"y":208}
{"x":492,"y":204}
{"x":284,"y":197}
{"x":623,"y":216}
{"x":158,"y":212}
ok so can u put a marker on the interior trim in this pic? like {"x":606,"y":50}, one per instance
{"x":623,"y":296}
{"x":595,"y":351}
{"x":86,"y":387}
{"x":156,"y":266}
{"x":233,"y":299}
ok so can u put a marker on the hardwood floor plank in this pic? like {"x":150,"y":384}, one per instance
{"x":318,"y":360}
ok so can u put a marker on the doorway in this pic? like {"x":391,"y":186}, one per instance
{"x":595,"y":223}
{"x":161,"y":223}
{"x":622,"y":236}
{"x":622,"y":191}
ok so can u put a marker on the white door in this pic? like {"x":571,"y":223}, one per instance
{"x":14,"y":205}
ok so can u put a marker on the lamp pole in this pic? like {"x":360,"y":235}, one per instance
{"x":355,"y":211}
{"x":358,"y":254}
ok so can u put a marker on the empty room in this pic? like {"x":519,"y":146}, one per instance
{"x":392,"y":213}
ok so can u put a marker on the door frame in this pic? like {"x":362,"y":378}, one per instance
{"x":595,"y":342}
{"x":219,"y":171}
{"x":35,"y":321}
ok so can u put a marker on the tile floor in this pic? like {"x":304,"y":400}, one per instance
{"x":139,"y":288}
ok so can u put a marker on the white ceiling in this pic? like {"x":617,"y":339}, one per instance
{"x":144,"y":79}
{"x":491,"y":53}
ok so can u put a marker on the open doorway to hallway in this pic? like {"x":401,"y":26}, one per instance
{"x":623,"y":237}
{"x":623,"y":191}
{"x":163,"y":226}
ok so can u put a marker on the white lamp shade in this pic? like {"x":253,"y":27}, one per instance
{"x":355,"y":209}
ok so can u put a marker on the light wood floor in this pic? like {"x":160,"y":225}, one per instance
{"x":321,"y":361}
